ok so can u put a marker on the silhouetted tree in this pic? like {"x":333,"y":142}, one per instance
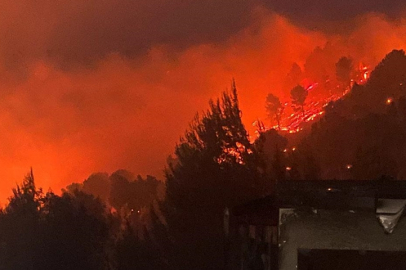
{"x":344,"y":69}
{"x":274,"y":108}
{"x":216,"y":168}
{"x":298,"y":95}
{"x":20,"y":226}
{"x":134,"y":253}
{"x":73,"y":187}
{"x":97,"y":184}
{"x":271,"y":145}
{"x":134,"y":193}
{"x":76,"y":233}
{"x":38,"y":231}
{"x":159,"y":234}
{"x":120,"y":188}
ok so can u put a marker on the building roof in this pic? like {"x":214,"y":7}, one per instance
{"x":261,"y":211}
{"x":321,"y":194}
{"x":338,"y":194}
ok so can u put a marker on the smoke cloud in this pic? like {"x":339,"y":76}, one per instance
{"x":90,"y":86}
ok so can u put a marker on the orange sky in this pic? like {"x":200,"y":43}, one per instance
{"x":68,"y":121}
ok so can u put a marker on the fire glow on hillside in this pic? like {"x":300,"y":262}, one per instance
{"x":292,"y":121}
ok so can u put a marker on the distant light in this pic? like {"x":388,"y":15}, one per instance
{"x":333,"y":190}
{"x":389,"y":101}
{"x":349,"y":166}
{"x":138,"y":211}
{"x":285,"y":150}
{"x":288,"y":168}
{"x":294,"y":149}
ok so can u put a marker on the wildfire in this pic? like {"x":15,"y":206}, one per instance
{"x":234,"y":153}
{"x":315,"y":105}
{"x":313,"y":110}
{"x":364,"y":73}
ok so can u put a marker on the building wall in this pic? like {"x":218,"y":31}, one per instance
{"x":328,"y":229}
{"x":254,"y":248}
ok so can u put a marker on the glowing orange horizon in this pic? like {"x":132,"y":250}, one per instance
{"x":129,"y":114}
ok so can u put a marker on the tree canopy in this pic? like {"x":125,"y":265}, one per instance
{"x":298,"y":94}
{"x":216,"y":167}
{"x":274,"y":108}
{"x":344,"y":69}
{"x":72,"y":231}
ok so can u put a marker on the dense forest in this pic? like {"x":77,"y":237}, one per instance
{"x":124,"y":221}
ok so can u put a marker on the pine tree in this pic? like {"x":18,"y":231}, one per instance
{"x":298,"y":95}
{"x":274,"y":108}
{"x":216,"y":168}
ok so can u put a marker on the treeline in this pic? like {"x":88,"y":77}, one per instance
{"x":99,"y":224}
{"x":120,"y":221}
{"x":122,"y":190}
{"x":72,"y":231}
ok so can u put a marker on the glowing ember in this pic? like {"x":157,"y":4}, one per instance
{"x":233,"y":154}
{"x":389,"y":101}
{"x":288,"y":168}
{"x":363,"y":73}
{"x":312,"y":86}
{"x":349,"y":166}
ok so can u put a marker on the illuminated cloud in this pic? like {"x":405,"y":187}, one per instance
{"x":90,"y":86}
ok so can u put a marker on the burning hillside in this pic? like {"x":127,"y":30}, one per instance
{"x":319,"y":95}
{"x":362,"y":132}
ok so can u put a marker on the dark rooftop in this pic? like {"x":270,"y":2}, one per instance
{"x":337,"y":193}
{"x":320,"y":194}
